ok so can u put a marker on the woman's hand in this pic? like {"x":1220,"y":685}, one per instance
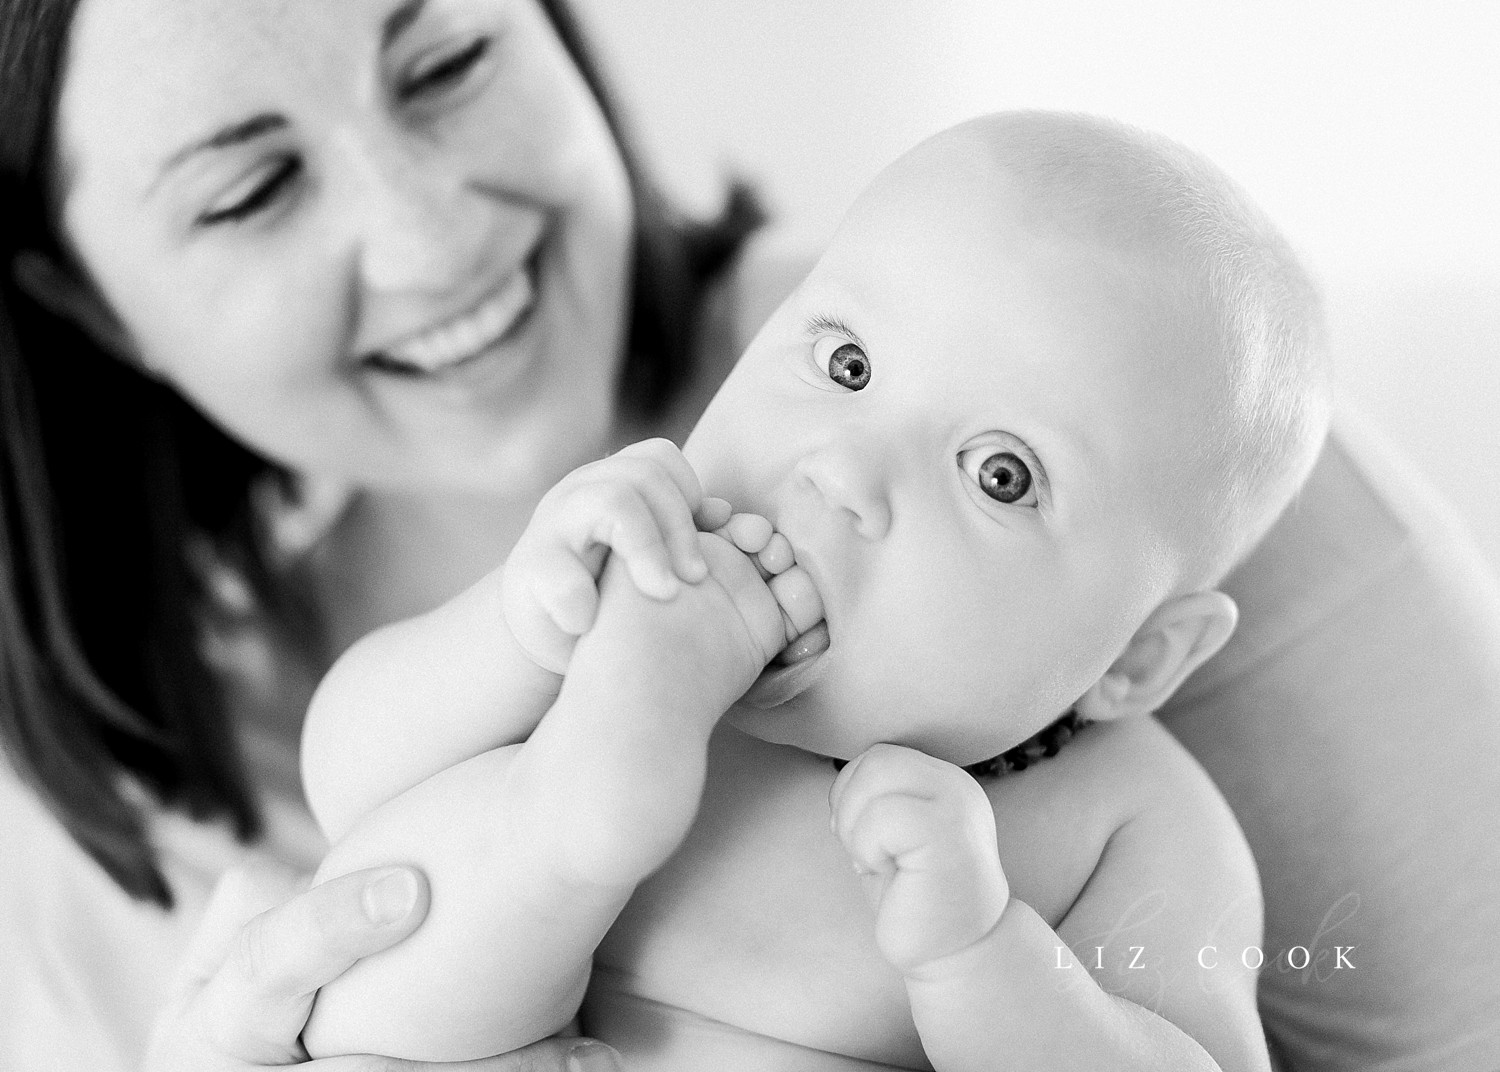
{"x":249,"y":976}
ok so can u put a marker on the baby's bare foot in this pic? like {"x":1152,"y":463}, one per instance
{"x":801,"y":606}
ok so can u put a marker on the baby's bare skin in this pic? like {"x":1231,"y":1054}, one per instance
{"x":978,"y":424}
{"x":584,"y":803}
{"x":692,"y":957}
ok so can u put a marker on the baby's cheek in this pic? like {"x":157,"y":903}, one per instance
{"x":801,"y":606}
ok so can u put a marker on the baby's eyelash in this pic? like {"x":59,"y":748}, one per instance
{"x":832,"y":325}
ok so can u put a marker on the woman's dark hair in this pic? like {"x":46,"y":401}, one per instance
{"x":108,"y":479}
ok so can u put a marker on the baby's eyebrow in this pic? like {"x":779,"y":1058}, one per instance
{"x":832,"y":325}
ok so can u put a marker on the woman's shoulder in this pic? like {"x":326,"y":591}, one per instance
{"x":764,"y":272}
{"x":1352,"y":725}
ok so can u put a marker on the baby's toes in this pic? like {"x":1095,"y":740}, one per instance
{"x":736,"y":573}
{"x":777,"y":556}
{"x":801,"y":606}
{"x":749,"y":532}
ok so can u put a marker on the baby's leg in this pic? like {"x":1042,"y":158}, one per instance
{"x":532,"y":850}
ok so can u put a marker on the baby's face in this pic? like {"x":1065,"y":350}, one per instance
{"x":971,"y":429}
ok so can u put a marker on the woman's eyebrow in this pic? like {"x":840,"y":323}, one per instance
{"x":234,"y":134}
{"x":398,"y":20}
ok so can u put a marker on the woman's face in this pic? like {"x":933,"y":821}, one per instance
{"x":381,"y":240}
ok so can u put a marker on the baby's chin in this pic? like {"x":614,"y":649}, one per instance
{"x":805,"y":722}
{"x":787,"y":725}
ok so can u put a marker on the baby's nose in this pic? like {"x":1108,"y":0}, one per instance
{"x":850,"y":479}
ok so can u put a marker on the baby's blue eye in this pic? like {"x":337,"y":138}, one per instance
{"x":849,"y":367}
{"x":1004,"y":477}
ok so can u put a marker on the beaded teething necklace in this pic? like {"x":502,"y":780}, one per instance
{"x":1038,"y":746}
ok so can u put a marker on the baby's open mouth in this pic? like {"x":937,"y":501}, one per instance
{"x":804,"y":616}
{"x":793,"y":671}
{"x":812,"y":643}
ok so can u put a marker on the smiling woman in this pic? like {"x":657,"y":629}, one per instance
{"x":389,"y":256}
{"x":381,"y":247}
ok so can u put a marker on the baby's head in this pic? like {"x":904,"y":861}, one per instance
{"x":1053,"y":377}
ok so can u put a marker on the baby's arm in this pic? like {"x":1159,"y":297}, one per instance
{"x":1142,"y":973}
{"x":478,"y":672}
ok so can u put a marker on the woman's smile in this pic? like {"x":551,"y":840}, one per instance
{"x":405,"y":271}
{"x":461,"y":339}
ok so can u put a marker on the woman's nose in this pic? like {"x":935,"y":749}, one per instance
{"x":418,"y":224}
{"x":851,"y":479}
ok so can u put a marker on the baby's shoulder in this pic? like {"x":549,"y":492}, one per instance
{"x":1125,"y":786}
{"x":1119,"y":769}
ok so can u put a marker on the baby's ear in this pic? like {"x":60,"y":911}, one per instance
{"x":1180,"y":636}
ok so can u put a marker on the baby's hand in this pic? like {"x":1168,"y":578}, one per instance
{"x":643,"y":505}
{"x":700,"y":650}
{"x":921,"y":834}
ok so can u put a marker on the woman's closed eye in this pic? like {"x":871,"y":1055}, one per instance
{"x":254,"y":192}
{"x":1001,"y":474}
{"x":440,"y":69}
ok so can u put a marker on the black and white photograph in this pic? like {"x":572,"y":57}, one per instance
{"x":709,"y":536}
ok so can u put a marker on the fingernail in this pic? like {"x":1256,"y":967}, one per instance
{"x":593,"y":1057}
{"x":390,"y":897}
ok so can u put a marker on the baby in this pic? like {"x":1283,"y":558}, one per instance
{"x":1051,"y":380}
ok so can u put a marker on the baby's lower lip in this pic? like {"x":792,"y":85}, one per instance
{"x":792,"y":672}
{"x":812,"y":643}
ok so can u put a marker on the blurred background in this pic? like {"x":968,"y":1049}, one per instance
{"x":1369,"y":130}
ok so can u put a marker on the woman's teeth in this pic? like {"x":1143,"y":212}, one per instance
{"x":460,"y":339}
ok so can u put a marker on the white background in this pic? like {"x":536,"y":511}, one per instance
{"x":1369,"y":130}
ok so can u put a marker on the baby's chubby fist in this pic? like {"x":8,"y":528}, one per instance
{"x":921,"y":834}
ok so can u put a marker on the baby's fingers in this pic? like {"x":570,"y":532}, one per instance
{"x":641,"y":530}
{"x":712,"y":514}
{"x":667,"y":482}
{"x":876,"y":809}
